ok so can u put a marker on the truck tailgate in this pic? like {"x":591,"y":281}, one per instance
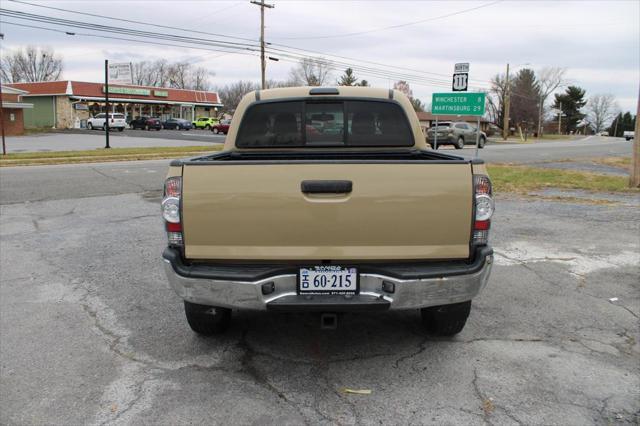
{"x":394,"y":211}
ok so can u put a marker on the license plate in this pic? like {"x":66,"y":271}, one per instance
{"x":328,"y":280}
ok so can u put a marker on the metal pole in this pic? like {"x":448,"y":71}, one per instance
{"x":4,"y":147}
{"x":106,"y":100}
{"x":507,"y":103}
{"x":435,"y":143}
{"x":477,"y":136}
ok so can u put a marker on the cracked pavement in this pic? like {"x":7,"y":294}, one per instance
{"x":90,"y":332}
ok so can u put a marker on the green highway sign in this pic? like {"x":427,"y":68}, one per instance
{"x":458,"y":104}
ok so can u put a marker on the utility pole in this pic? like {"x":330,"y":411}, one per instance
{"x":263,"y":63}
{"x":560,"y":120}
{"x":506,"y":103}
{"x":634,"y":179}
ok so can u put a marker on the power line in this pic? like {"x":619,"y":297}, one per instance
{"x":130,"y":20}
{"x":406,"y":24}
{"x":241,"y":38}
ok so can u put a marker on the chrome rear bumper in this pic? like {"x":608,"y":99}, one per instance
{"x":406,"y":293}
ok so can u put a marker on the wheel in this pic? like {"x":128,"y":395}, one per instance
{"x":207,"y":320}
{"x":120,"y":129}
{"x":104,"y":127}
{"x":215,"y":130}
{"x":482,"y":142}
{"x":207,"y":127}
{"x":89,"y":126}
{"x":146,"y":127}
{"x":459,"y":143}
{"x":159,"y":128}
{"x":446,"y":320}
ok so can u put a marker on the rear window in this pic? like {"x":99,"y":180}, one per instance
{"x":324,"y":124}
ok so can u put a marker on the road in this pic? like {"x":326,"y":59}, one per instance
{"x":87,"y":139}
{"x":91,"y":333}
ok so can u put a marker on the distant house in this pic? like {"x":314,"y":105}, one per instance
{"x":428,"y":120}
{"x":13,"y":110}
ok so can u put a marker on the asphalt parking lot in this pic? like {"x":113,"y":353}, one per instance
{"x":91,"y":333}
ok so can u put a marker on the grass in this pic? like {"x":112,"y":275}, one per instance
{"x":101,"y":155}
{"x":497,"y":138}
{"x":521,"y":179}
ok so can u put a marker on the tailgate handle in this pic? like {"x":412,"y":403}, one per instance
{"x":326,"y":186}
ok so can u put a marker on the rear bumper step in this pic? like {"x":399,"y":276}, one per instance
{"x":378,"y":290}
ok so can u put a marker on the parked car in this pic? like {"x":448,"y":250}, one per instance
{"x":204,"y":123}
{"x":457,"y":134}
{"x":177,"y":124}
{"x":116,"y":121}
{"x":146,"y":123}
{"x":628,"y":134}
{"x":221,"y":127}
{"x":368,"y":219}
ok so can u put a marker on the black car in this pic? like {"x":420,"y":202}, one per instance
{"x":177,"y":124}
{"x":146,"y":123}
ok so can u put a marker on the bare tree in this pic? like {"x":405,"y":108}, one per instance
{"x":549,"y":80}
{"x":311,"y":72}
{"x":498,"y":91}
{"x":231,"y":94}
{"x":180,"y":75}
{"x":29,"y":65}
{"x":403,"y":87}
{"x":601,"y":109}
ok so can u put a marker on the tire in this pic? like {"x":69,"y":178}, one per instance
{"x":159,"y":128}
{"x":215,"y":130}
{"x":482,"y":142}
{"x":207,"y":127}
{"x":446,"y":320}
{"x":104,"y":127}
{"x":459,"y":143}
{"x":146,"y":127}
{"x":89,"y":126}
{"x":207,"y":320}
{"x":120,"y":129}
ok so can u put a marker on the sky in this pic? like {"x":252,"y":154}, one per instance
{"x":598,"y":42}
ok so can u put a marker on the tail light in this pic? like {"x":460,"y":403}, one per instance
{"x":171,"y":210}
{"x":483,"y":207}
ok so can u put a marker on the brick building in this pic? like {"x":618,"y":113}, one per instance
{"x":68,"y":104}
{"x":13,"y":110}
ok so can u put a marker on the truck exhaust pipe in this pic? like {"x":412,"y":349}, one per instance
{"x":328,"y":321}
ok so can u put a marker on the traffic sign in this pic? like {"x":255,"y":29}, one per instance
{"x":458,"y":103}
{"x":460,"y":82}
{"x":461,"y":67}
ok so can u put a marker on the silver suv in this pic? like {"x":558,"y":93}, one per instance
{"x":457,"y":134}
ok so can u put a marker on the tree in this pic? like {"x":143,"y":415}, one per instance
{"x":498,"y":91}
{"x":31,"y":64}
{"x":363,"y":83}
{"x":179,"y":75}
{"x":525,"y":96}
{"x":550,"y":79}
{"x":404,"y":87}
{"x":348,"y":78}
{"x":231,"y":94}
{"x":311,"y":72}
{"x":417,"y":104}
{"x":572,"y":101}
{"x":601,"y":109}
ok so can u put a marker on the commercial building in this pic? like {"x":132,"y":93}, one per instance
{"x":68,"y":104}
{"x":13,"y":110}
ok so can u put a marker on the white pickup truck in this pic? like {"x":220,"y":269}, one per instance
{"x":327,"y":200}
{"x":628,"y":134}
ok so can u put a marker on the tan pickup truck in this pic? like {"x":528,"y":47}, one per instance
{"x":327,"y":200}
